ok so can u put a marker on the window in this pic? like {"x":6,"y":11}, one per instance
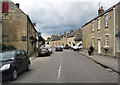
{"x":106,"y":20}
{"x":106,"y":41}
{"x":93,"y":26}
{"x":119,"y":44}
{"x":93,"y":42}
{"x":98,"y":23}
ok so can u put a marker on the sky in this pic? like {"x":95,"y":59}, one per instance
{"x":57,"y":16}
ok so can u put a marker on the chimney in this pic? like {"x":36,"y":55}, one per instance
{"x":71,"y":31}
{"x":34,"y":24}
{"x":101,"y":10}
{"x":78,"y":32}
{"x":64,"y":33}
{"x":18,"y":5}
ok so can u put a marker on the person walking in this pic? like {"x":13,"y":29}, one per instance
{"x":91,"y":49}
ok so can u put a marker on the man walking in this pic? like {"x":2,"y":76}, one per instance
{"x":91,"y":49}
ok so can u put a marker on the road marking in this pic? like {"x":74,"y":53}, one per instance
{"x":59,"y":72}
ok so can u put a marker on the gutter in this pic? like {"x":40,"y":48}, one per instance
{"x":114,"y":33}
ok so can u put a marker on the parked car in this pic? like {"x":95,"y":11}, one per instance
{"x":66,"y":46}
{"x":78,"y":46}
{"x":58,"y":48}
{"x":43,"y":51}
{"x":49,"y":48}
{"x":13,"y":63}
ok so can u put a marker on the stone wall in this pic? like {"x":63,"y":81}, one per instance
{"x":87,"y":34}
{"x":17,"y":29}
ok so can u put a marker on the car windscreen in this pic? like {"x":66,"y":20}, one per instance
{"x":7,"y":56}
{"x":47,"y":47}
{"x":43,"y":49}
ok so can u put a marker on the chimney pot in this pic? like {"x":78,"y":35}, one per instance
{"x":18,"y":5}
{"x":71,"y":31}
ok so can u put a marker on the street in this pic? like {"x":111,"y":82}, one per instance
{"x":66,"y":67}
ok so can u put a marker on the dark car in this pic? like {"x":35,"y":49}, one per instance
{"x":59,"y":48}
{"x":43,"y":51}
{"x":13,"y":63}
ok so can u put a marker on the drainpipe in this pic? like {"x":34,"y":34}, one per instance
{"x":114,"y":34}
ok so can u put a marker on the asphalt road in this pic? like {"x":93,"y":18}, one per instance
{"x":66,"y":67}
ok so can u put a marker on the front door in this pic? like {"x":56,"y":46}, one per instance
{"x":99,"y":47}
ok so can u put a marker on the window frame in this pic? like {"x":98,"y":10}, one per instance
{"x":106,"y":40}
{"x":93,"y":41}
{"x":106,"y":20}
{"x":99,"y":27}
{"x":93,"y":26}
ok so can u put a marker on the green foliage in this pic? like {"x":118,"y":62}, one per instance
{"x":41,"y":40}
{"x":9,"y":47}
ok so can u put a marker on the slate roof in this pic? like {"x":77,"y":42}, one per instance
{"x":71,"y":34}
{"x":102,"y":14}
{"x":56,"y":38}
{"x":78,"y":37}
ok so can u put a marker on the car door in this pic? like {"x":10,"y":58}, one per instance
{"x":24,"y":59}
{"x":19,"y":61}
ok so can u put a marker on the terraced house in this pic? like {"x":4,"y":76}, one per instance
{"x":103,"y":32}
{"x":70,"y":38}
{"x":18,"y":29}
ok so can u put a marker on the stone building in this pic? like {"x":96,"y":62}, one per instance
{"x":0,"y":25}
{"x":55,"y":41}
{"x":103,"y":32}
{"x":78,"y":37}
{"x":70,"y":38}
{"x":18,"y":29}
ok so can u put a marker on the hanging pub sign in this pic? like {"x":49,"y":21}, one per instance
{"x":5,"y":6}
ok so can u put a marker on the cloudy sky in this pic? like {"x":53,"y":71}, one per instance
{"x":57,"y":16}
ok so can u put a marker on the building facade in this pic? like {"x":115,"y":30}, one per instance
{"x":103,"y":33}
{"x":18,"y":29}
{"x":70,"y":38}
{"x":0,"y":25}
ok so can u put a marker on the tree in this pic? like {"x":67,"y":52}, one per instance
{"x":40,"y":38}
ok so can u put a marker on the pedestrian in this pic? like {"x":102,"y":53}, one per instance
{"x":91,"y":49}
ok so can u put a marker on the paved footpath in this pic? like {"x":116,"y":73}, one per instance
{"x":107,"y":61}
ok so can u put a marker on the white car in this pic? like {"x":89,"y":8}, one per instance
{"x":78,"y":46}
{"x":49,"y":48}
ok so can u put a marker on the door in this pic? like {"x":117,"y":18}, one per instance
{"x":19,"y":63}
{"x":24,"y":60}
{"x":99,"y":47}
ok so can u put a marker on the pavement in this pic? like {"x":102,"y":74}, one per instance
{"x":33,"y":56}
{"x":106,"y":61}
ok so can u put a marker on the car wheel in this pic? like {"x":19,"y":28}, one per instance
{"x":28,"y":67}
{"x":14,"y":74}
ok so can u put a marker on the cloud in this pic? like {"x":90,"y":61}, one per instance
{"x":61,"y":15}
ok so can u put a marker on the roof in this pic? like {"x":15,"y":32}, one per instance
{"x":78,"y":37}
{"x":27,"y":17}
{"x":102,"y":14}
{"x":55,"y":38}
{"x":72,"y":34}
